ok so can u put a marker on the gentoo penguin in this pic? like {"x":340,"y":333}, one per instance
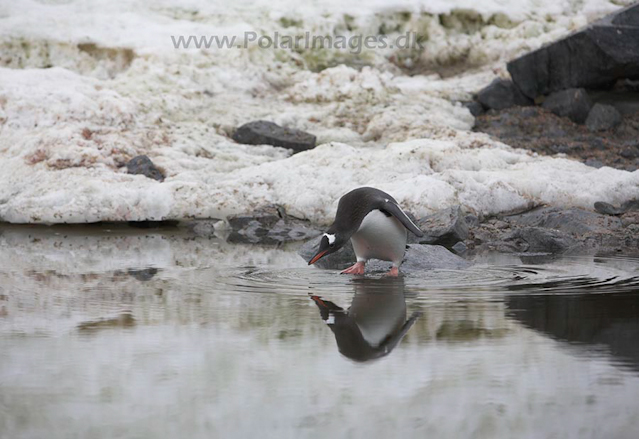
{"x":374,"y":324}
{"x":376,"y":226}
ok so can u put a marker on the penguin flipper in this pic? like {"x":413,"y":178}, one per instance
{"x":394,"y":209}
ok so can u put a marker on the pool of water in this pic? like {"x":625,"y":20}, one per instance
{"x":137,"y":334}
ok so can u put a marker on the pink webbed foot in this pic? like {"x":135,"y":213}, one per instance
{"x":394,"y":272}
{"x":358,"y":268}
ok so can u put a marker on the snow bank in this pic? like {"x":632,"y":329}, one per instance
{"x":87,"y":85}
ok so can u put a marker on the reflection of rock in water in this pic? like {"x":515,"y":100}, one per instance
{"x":143,"y":275}
{"x":124,"y":320}
{"x":588,"y":320}
{"x":375,"y":322}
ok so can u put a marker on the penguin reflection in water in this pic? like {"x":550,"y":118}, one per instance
{"x":376,"y":226}
{"x":374,"y":324}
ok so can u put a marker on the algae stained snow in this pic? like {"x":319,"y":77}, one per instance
{"x":85,"y":86}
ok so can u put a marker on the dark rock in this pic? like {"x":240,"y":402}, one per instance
{"x":609,"y":209}
{"x":593,"y":57}
{"x":603,"y":117}
{"x":502,"y":93}
{"x":421,"y":257}
{"x":595,"y":163}
{"x":342,"y":258}
{"x":444,"y":227}
{"x":536,"y":240}
{"x":573,"y":103}
{"x":574,"y":221}
{"x":142,"y":165}
{"x":475,"y":108}
{"x":268,"y":225}
{"x":261,"y":132}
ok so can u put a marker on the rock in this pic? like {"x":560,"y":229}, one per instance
{"x":573,"y":103}
{"x":261,"y":132}
{"x":444,"y":227}
{"x":268,"y":225}
{"x":142,"y":165}
{"x":573,"y":221}
{"x":502,"y":93}
{"x":603,"y":117}
{"x":421,"y":257}
{"x":460,"y":248}
{"x":342,"y":258}
{"x":594,"y":163}
{"x":609,"y":209}
{"x":593,"y":57}
{"x":536,"y":240}
{"x":475,"y":108}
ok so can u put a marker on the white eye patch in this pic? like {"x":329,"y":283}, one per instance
{"x":331,"y":238}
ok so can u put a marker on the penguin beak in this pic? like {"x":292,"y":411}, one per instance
{"x":317,"y":257}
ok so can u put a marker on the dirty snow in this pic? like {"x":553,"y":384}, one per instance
{"x":86,"y":85}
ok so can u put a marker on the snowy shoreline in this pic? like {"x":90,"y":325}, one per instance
{"x":85,"y":86}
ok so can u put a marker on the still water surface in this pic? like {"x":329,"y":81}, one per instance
{"x":122,"y":333}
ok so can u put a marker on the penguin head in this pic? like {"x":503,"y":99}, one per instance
{"x":330,"y":243}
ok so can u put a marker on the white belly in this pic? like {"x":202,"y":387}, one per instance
{"x":380,"y":237}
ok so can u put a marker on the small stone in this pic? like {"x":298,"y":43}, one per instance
{"x":607,"y":208}
{"x":594,"y":163}
{"x":460,"y":248}
{"x":603,"y":117}
{"x":261,"y":132}
{"x":502,"y":93}
{"x":142,"y":165}
{"x":573,"y":103}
